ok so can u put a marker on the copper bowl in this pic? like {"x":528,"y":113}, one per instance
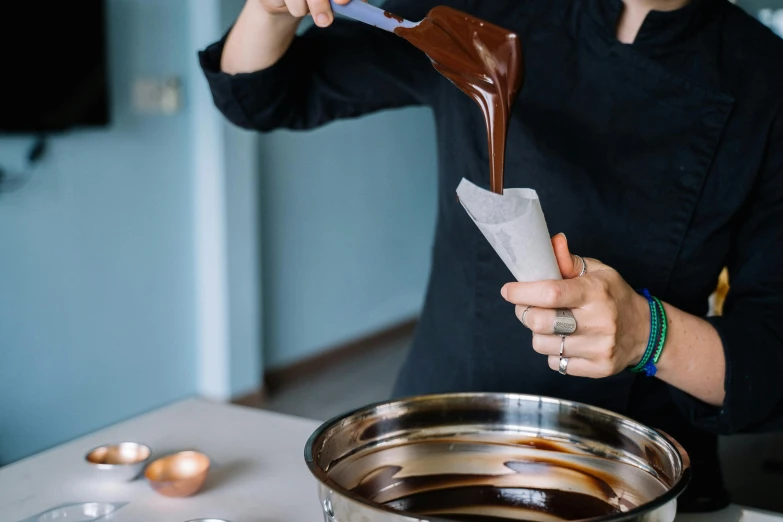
{"x":119,"y":462}
{"x":179,"y":475}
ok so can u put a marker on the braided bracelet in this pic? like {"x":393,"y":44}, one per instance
{"x":657,"y":339}
{"x":649,"y":368}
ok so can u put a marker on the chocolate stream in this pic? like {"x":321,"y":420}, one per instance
{"x":484,"y":61}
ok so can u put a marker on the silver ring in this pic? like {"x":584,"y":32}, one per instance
{"x":584,"y":266}
{"x":563,"y":366}
{"x":562,"y":345}
{"x":524,"y":314}
{"x":565,"y":323}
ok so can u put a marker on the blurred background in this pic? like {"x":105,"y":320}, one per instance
{"x":150,"y":251}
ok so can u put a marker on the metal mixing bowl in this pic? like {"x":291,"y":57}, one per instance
{"x":477,"y":456}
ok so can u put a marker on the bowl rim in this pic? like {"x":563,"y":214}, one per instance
{"x":671,"y":494}
{"x":103,"y":465}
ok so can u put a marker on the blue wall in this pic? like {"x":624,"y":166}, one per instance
{"x":244,"y":245}
{"x":96,"y":276}
{"x":348,"y":215}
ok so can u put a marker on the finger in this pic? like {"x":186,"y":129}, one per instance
{"x":542,"y":320}
{"x":585,"y":347}
{"x":275,"y":6}
{"x":578,"y":367}
{"x":297,"y":8}
{"x":321,"y":11}
{"x":569,"y":293}
{"x":570,"y":265}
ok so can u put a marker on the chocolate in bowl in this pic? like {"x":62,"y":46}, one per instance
{"x":493,"y":457}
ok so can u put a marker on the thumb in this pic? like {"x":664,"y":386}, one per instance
{"x":570,"y":265}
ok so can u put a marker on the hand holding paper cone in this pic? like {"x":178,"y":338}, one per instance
{"x":613,"y":321}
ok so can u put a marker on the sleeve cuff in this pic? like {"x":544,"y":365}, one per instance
{"x":246,"y":99}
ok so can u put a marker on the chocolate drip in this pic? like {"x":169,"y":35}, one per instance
{"x":393,"y":16}
{"x":484,"y":61}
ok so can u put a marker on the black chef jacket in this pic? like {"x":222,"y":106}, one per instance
{"x":663,"y":159}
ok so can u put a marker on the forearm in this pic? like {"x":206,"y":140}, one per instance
{"x":693,"y":358}
{"x":258,"y":39}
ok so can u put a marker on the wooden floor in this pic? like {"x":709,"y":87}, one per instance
{"x":749,"y":461}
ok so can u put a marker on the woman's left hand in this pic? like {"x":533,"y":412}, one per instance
{"x":613,"y":321}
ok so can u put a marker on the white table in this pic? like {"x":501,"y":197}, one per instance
{"x":259,"y":473}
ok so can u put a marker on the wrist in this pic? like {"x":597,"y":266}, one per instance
{"x":258,"y":39}
{"x":643,"y":330}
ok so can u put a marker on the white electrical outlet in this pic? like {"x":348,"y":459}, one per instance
{"x":157,"y":96}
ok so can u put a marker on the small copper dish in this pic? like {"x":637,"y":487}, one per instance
{"x":119,"y":462}
{"x":179,"y":475}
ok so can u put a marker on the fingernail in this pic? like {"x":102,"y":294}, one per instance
{"x":564,"y":236}
{"x":322,"y":19}
{"x":503,"y":292}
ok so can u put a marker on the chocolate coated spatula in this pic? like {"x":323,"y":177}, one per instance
{"x":372,"y":15}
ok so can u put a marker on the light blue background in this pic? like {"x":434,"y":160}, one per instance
{"x":348,"y":216}
{"x":97,"y":282}
{"x":96,"y":272}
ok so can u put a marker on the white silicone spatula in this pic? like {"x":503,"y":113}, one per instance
{"x":369,"y":14}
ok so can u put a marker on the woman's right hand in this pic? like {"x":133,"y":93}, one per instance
{"x":265,"y":29}
{"x":321,"y":10}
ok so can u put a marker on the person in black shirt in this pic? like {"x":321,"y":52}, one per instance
{"x":652,"y":131}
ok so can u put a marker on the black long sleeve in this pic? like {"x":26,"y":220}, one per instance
{"x":751,"y":328}
{"x":346,"y":70}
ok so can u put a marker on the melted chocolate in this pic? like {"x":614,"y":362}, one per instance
{"x":492,"y":478}
{"x":479,"y":502}
{"x":484,"y":61}
{"x":393,"y":16}
{"x":466,"y":497}
{"x":542,"y":444}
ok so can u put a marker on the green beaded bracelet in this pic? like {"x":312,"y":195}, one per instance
{"x":654,"y":329}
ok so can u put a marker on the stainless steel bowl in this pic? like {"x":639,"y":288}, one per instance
{"x":119,"y":462}
{"x":511,"y":457}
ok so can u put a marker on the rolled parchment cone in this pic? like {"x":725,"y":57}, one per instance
{"x":514,"y":225}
